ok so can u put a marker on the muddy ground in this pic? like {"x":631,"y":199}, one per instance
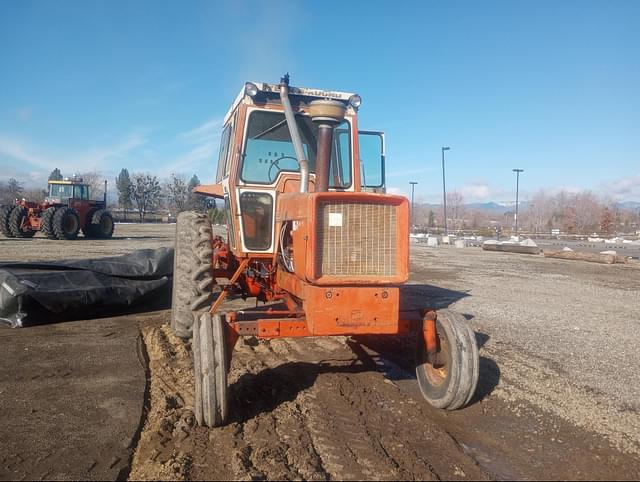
{"x":557,"y":397}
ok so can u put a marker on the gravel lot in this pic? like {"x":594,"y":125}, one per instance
{"x":564,"y":333}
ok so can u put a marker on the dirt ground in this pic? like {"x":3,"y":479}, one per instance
{"x":557,"y":397}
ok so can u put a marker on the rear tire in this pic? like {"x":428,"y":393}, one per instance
{"x":210,"y":361}
{"x":102,"y":224}
{"x":451,"y":382}
{"x":17,"y":218}
{"x":5,"y":211}
{"x":89,"y":229}
{"x":46,"y":225}
{"x":66,"y":223}
{"x":193,"y":281}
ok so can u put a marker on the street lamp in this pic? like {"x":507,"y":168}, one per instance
{"x":444,"y":192}
{"x":413,"y":185}
{"x":517,"y":171}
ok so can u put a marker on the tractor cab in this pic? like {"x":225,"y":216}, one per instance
{"x":60,"y":192}
{"x":278,"y":139}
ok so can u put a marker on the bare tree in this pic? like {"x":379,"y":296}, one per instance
{"x":177,"y":193}
{"x":146,"y":193}
{"x":587,"y":210}
{"x":95,"y":180}
{"x":10,"y":191}
{"x":455,"y":206}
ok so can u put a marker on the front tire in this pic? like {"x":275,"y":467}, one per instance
{"x":193,"y":281}
{"x":451,"y":381}
{"x":210,"y":361}
{"x":17,"y":217}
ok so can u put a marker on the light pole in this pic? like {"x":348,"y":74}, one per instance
{"x":444,"y":192}
{"x":413,"y":185}
{"x":517,"y":171}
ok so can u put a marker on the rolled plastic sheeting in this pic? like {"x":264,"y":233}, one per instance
{"x":45,"y":292}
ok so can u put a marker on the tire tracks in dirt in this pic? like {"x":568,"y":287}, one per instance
{"x":307,"y":409}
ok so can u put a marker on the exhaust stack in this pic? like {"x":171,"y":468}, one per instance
{"x":326,"y":114}
{"x":295,"y":134}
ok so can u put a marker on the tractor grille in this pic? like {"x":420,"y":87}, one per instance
{"x":356,"y":239}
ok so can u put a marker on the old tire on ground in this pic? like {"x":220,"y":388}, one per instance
{"x":46,"y":225}
{"x":102,"y":224}
{"x":193,"y":281}
{"x":452,"y":381}
{"x":66,"y":223}
{"x":210,"y":360}
{"x":17,"y":218}
{"x":5,"y":211}
{"x":89,"y":229}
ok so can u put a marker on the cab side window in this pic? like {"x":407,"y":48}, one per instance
{"x":224,"y":149}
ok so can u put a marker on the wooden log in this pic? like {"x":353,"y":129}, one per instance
{"x":511,"y":248}
{"x":578,"y":256}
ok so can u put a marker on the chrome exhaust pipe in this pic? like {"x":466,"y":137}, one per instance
{"x":295,"y":134}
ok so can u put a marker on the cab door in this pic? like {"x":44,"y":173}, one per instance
{"x":372,"y":161}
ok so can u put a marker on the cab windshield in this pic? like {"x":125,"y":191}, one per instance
{"x":269,"y":149}
{"x":61,"y":191}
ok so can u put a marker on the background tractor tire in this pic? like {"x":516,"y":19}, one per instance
{"x":89,"y":229}
{"x":66,"y":223}
{"x":46,"y":225}
{"x":5,"y":211}
{"x":210,"y":362}
{"x":16,"y":220}
{"x":193,"y":281}
{"x":102,"y":223}
{"x":451,"y":383}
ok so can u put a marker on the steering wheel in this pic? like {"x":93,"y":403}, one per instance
{"x":274,"y":163}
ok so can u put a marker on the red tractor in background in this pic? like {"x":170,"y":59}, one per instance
{"x":65,"y":211}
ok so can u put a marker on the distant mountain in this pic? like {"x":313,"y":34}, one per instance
{"x":635,"y":205}
{"x":491,"y":207}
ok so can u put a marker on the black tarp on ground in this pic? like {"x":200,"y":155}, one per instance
{"x":45,"y":292}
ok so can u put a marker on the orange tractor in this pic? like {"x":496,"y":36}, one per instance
{"x":310,"y":227}
{"x":66,"y":210}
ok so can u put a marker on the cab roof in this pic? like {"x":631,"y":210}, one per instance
{"x":69,"y":182}
{"x":273,"y":90}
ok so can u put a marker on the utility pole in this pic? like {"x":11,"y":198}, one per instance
{"x":517,"y":171}
{"x":444,"y":192}
{"x":413,"y":221}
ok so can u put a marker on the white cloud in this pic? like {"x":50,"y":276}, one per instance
{"x":622,"y":189}
{"x":397,"y":191}
{"x":476,"y":191}
{"x":201,"y":144}
{"x":22,"y":159}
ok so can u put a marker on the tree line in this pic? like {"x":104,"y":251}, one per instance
{"x":573,"y":213}
{"x":140,"y":192}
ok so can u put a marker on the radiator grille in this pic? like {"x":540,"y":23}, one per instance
{"x":356,"y":239}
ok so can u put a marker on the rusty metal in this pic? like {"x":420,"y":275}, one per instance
{"x":232,"y":281}
{"x":323,"y":158}
{"x":430,"y":336}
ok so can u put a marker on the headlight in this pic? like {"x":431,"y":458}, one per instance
{"x":250,"y":89}
{"x":355,"y":100}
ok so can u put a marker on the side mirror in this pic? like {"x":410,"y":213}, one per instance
{"x":372,"y":161}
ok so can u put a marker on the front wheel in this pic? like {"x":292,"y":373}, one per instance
{"x":450,"y":381}
{"x":210,"y":365}
{"x":17,"y":219}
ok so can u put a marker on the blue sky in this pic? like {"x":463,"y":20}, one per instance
{"x":552,"y":87}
